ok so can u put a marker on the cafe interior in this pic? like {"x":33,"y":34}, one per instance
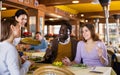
{"x":45,"y":16}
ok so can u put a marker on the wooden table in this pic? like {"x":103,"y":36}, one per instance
{"x":84,"y":71}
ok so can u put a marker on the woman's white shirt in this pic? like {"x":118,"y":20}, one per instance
{"x":16,"y":41}
{"x":9,"y":61}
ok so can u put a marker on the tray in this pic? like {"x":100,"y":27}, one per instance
{"x":30,"y":41}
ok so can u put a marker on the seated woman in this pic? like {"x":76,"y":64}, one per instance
{"x":91,"y":50}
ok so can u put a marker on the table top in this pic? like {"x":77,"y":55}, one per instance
{"x":78,"y":70}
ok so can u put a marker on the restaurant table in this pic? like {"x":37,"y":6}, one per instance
{"x":97,"y":71}
{"x":83,"y":70}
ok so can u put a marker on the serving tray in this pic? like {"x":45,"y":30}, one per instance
{"x":30,"y":41}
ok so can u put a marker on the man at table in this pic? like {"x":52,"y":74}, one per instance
{"x":62,"y":46}
{"x":42,"y":46}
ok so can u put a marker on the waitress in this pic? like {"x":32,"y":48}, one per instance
{"x":21,"y":17}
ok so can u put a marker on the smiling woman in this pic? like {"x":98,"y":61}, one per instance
{"x":88,"y":50}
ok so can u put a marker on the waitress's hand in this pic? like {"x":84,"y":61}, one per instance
{"x":66,"y":61}
{"x":27,"y":47}
{"x":24,"y":58}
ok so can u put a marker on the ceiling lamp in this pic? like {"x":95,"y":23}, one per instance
{"x":3,"y":8}
{"x":75,"y":1}
{"x":51,"y":19}
{"x":97,"y":16}
{"x":55,"y":15}
{"x":95,"y":2}
{"x":82,"y":15}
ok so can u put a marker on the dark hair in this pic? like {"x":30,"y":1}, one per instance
{"x":92,"y":30}
{"x":20,"y":12}
{"x":5,"y":28}
{"x":67,"y":24}
{"x":38,"y":33}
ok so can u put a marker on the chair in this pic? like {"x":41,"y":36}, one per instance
{"x":114,"y":62}
{"x":110,"y":53}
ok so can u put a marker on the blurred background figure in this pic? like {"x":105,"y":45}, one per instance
{"x":42,"y":46}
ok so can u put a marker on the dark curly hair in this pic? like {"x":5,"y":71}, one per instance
{"x":64,"y":22}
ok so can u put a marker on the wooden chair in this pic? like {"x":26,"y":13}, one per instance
{"x":114,"y":62}
{"x":110,"y":54}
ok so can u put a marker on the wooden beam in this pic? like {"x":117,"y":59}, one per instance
{"x":19,"y":4}
{"x":89,"y":14}
{"x":60,"y":2}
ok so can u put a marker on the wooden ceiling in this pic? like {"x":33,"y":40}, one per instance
{"x":60,"y":2}
{"x":84,"y":7}
{"x":89,"y":7}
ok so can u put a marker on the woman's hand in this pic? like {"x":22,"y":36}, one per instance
{"x":100,"y":52}
{"x":24,"y":58}
{"x":66,"y":61}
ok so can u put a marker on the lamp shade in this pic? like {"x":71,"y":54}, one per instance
{"x":104,"y":2}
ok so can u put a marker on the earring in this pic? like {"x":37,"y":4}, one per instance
{"x":15,"y":33}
